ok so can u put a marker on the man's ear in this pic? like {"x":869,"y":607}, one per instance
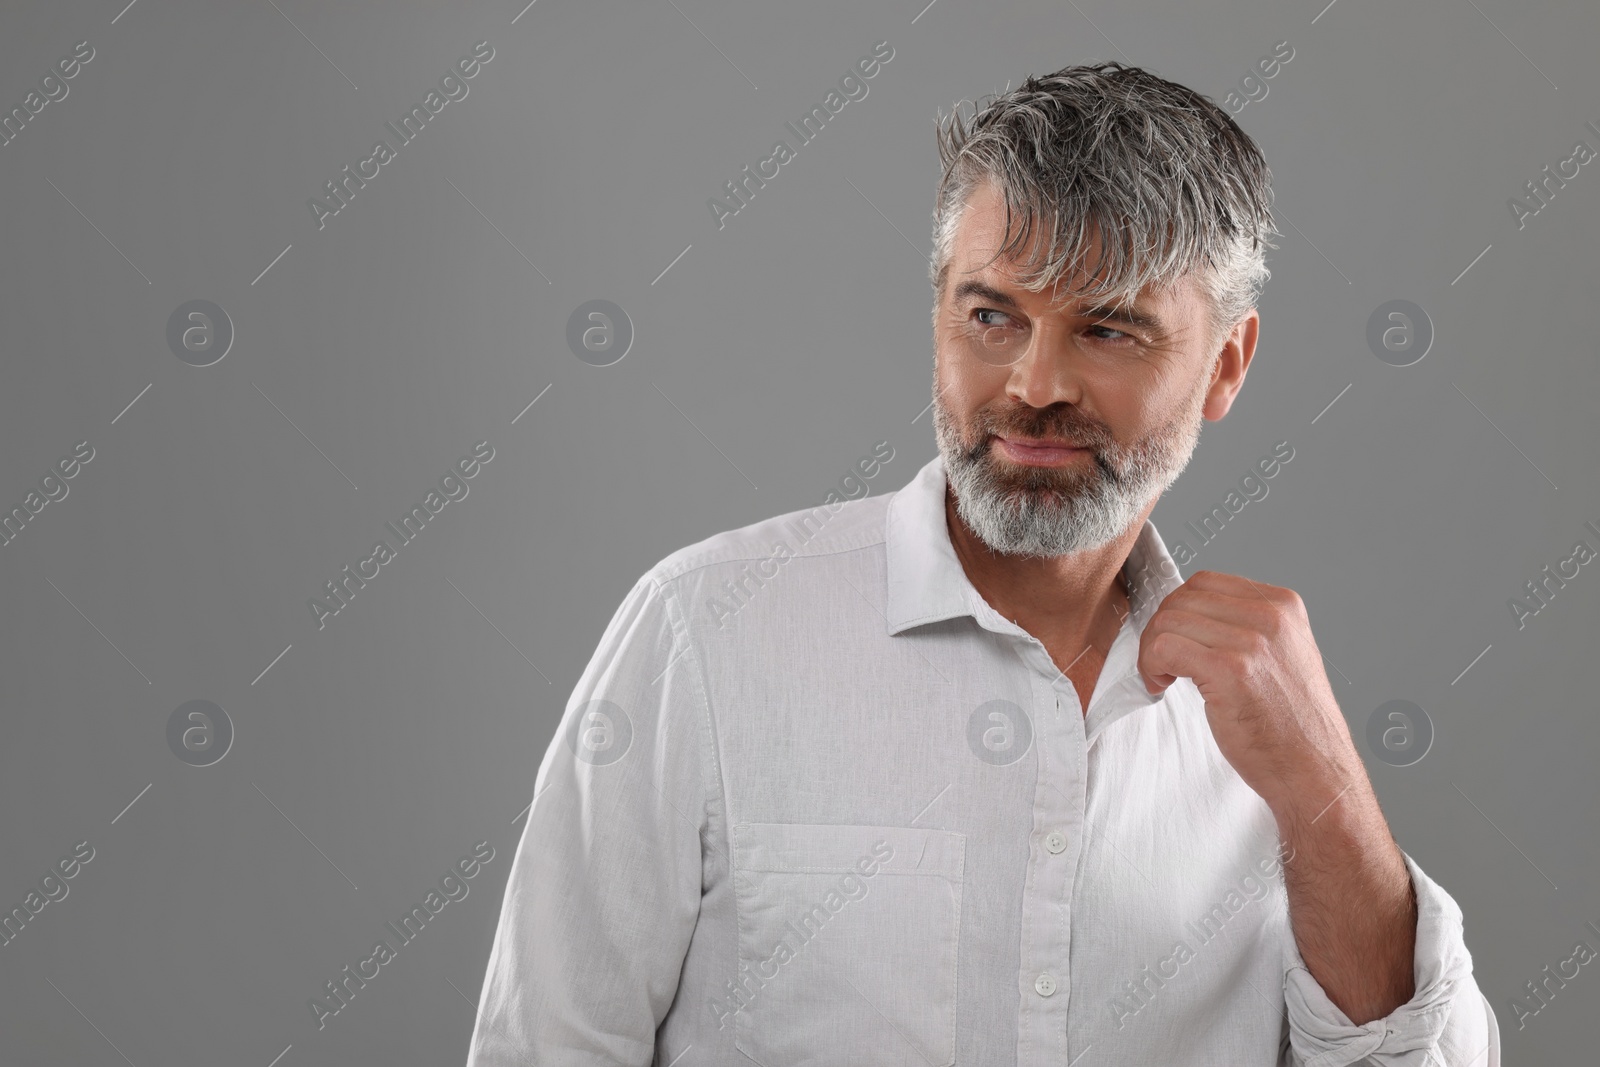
{"x":1231,"y":361}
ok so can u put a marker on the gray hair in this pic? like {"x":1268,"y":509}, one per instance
{"x":1169,"y":181}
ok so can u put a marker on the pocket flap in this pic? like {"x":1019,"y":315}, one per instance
{"x":826,"y":848}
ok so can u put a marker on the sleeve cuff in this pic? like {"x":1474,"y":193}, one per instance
{"x":1322,"y":1035}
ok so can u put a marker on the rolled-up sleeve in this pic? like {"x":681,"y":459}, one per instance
{"x":604,"y":890}
{"x":1446,"y":1022}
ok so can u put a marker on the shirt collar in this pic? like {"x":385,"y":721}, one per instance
{"x":927,"y":582}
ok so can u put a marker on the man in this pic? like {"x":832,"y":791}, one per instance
{"x":969,"y":775}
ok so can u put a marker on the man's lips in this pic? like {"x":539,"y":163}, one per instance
{"x":1036,"y":450}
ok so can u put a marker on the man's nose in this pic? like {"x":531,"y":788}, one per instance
{"x":1048,"y":372}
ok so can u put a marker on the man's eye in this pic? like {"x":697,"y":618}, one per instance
{"x":1108,"y":329}
{"x":989,"y":311}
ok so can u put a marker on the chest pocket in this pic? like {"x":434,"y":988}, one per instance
{"x":847,"y":942}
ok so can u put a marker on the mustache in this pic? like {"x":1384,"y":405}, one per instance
{"x":1062,"y":424}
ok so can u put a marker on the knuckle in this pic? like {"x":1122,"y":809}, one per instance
{"x":1274,"y":625}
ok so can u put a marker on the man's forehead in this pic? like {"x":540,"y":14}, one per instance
{"x":976,"y":255}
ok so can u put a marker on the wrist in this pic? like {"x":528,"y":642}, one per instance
{"x":1316,"y":789}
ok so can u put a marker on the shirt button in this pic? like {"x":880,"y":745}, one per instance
{"x":1045,"y":985}
{"x":1054,"y":841}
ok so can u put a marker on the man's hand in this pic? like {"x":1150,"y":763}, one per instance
{"x":1248,"y":647}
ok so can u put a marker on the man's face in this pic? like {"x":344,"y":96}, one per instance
{"x":1015,"y":369}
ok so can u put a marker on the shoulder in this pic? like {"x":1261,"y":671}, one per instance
{"x":820,"y":530}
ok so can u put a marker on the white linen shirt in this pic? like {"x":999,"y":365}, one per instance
{"x":814,"y":802}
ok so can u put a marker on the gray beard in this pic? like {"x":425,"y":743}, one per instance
{"x":1044,"y":512}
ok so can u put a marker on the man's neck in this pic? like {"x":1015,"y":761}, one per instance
{"x":1067,"y":602}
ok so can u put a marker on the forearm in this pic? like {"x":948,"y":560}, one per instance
{"x":1352,"y":906}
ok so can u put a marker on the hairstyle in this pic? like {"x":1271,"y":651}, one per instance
{"x":1169,"y":181}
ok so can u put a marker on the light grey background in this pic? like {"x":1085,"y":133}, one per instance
{"x":771,"y":355}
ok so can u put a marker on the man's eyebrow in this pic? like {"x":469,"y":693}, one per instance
{"x":972,"y":287}
{"x":1128,"y":315}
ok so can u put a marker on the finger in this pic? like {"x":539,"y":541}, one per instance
{"x":1234,"y":585}
{"x":1248,"y":610}
{"x":1235,"y":629}
{"x":1171,"y":655}
{"x":1159,"y":684}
